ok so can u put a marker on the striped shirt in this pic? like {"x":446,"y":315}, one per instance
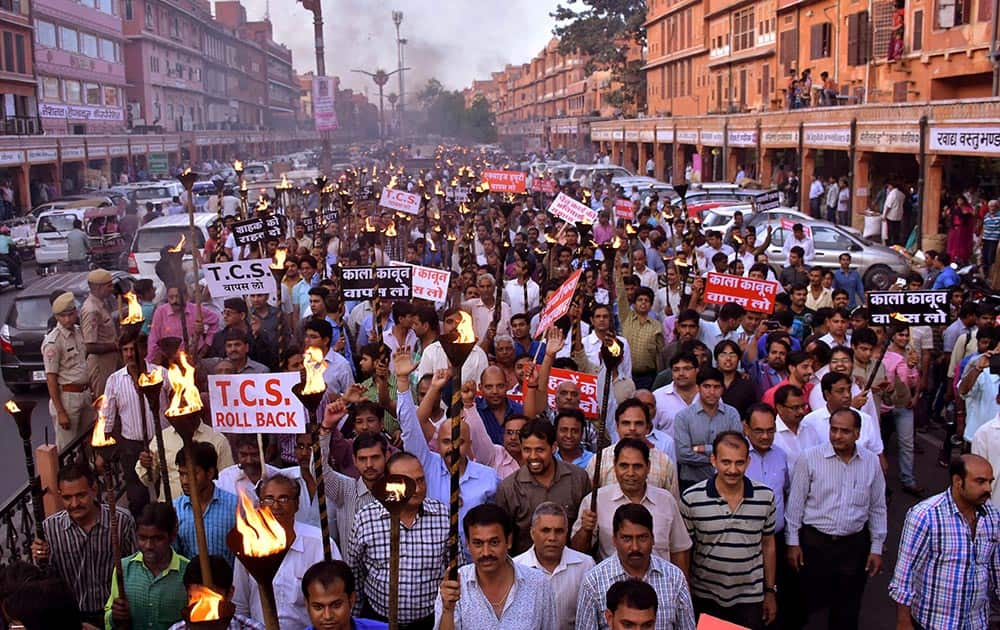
{"x":344,"y":495}
{"x":122,"y":402}
{"x":944,"y":573}
{"x":835,"y":497}
{"x":674,"y":611}
{"x":423,"y":559}
{"x":529,"y":605}
{"x":84,"y":559}
{"x":727,"y":566}
{"x":662,"y":470}
{"x":220,"y":517}
{"x":154,"y":601}
{"x":991,"y":227}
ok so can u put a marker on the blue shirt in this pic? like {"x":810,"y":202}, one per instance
{"x":991,"y":227}
{"x":692,"y":427}
{"x":946,"y":279}
{"x":493,"y":425}
{"x":850,"y":281}
{"x":764,"y":377}
{"x":771,"y":469}
{"x":944,"y":574}
{"x":220,"y":517}
{"x":580,"y":461}
{"x":357,"y":623}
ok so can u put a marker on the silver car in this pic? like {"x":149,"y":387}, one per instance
{"x":878,"y":265}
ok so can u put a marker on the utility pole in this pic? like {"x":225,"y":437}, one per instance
{"x":397,"y":19}
{"x":381,"y":77}
{"x":316,"y":6}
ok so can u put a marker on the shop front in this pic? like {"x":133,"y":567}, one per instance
{"x":689,"y":167}
{"x":43,"y":173}
{"x":713,"y":159}
{"x":73,"y":160}
{"x":743,"y":154}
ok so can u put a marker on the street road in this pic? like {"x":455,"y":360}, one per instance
{"x":878,"y":610}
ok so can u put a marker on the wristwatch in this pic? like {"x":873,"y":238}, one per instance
{"x":771,"y":589}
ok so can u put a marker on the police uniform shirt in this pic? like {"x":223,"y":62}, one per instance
{"x":64,"y":354}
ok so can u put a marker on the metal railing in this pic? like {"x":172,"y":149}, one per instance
{"x":17,"y":520}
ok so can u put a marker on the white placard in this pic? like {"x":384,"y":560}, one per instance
{"x":256,"y":403}
{"x":239,"y":278}
{"x":400,"y":200}
{"x":428,"y":283}
{"x":571,"y":210}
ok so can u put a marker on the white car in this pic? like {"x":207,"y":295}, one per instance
{"x":51,"y":247}
{"x":165,"y":232}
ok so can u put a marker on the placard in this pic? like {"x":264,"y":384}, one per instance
{"x":768,"y":201}
{"x":504,"y":181}
{"x":457,"y":194}
{"x":312,"y":223}
{"x":919,"y":308}
{"x":240,"y":278}
{"x":358,"y":283}
{"x":428,"y":283}
{"x":788,"y":224}
{"x":586,"y":383}
{"x":256,"y":403}
{"x":624,"y":209}
{"x":324,"y":91}
{"x":257,"y":230}
{"x":400,"y":200}
{"x":559,"y":304}
{"x":547,"y":186}
{"x":753,"y":295}
{"x":571,"y":210}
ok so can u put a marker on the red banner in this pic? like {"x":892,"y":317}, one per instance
{"x":624,"y":209}
{"x":559,"y":303}
{"x":546,"y":186}
{"x":786,"y":225}
{"x":505,"y":181}
{"x":753,"y":295}
{"x":586,"y":383}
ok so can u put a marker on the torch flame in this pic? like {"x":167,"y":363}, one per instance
{"x":284,"y":182}
{"x":204,"y":603}
{"x":899,"y":319}
{"x":314,"y":365}
{"x":395,"y":492}
{"x":466,"y":332}
{"x":150,"y":378}
{"x":178,"y":247}
{"x":437,"y":189}
{"x":11,"y":407}
{"x":615,"y":348}
{"x":279,"y":258}
{"x":134,"y":315}
{"x":617,"y":243}
{"x":391,"y":230}
{"x":262,"y":534}
{"x":368,"y":225}
{"x":185,"y":398}
{"x":98,"y":439}
{"x":392,"y":182}
{"x":630,"y":229}
{"x":238,"y":165}
{"x":430,"y":243}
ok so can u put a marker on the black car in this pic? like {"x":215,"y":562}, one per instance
{"x":27,"y":322}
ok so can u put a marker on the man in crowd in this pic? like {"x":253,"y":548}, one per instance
{"x":169,"y":320}
{"x":329,"y":592}
{"x":633,"y":420}
{"x":698,"y":425}
{"x":790,"y":403}
{"x":64,"y":360}
{"x":99,"y":332}
{"x":631,"y":604}
{"x":218,"y":506}
{"x":564,"y":566}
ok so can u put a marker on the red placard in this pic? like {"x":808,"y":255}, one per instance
{"x":505,"y":181}
{"x":586,"y":383}
{"x":624,"y":209}
{"x":786,"y":225}
{"x":546,"y":186}
{"x":753,"y":295}
{"x":559,"y":303}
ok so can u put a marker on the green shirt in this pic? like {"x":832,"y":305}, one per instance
{"x":155,"y":601}
{"x":389,"y":422}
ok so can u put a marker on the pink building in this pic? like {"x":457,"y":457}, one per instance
{"x":80,"y":66}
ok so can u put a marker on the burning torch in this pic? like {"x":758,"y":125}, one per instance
{"x":133,"y":319}
{"x":105,"y":447}
{"x":310,"y":392}
{"x":611,"y":356}
{"x":207,"y":609}
{"x":393,"y":492}
{"x":457,"y":346}
{"x":277,"y":268}
{"x":150,"y":384}
{"x":188,"y":178}
{"x":21,"y":411}
{"x":260,"y":542}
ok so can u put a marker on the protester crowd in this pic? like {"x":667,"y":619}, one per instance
{"x":735,"y":469}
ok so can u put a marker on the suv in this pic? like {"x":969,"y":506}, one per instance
{"x":26,"y":323}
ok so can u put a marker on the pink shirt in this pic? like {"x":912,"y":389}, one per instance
{"x":166,"y":323}
{"x":896,"y":369}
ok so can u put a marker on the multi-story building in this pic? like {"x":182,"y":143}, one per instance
{"x":18,"y":86}
{"x":892,"y":91}
{"x":79,"y":61}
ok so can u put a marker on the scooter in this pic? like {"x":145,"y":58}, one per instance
{"x":978,"y":287}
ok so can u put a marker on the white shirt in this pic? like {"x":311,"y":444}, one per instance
{"x":816,"y":189}
{"x":308,"y":513}
{"x":565,"y":581}
{"x":815,"y":431}
{"x":788,"y":442}
{"x":808,"y":248}
{"x":513,"y":295}
{"x":434,"y":358}
{"x":816,"y":400}
{"x":986,"y":443}
{"x":121,"y":400}
{"x":892,"y":209}
{"x":650,"y":165}
{"x":668,"y":404}
{"x":305,"y":551}
{"x":830,"y":341}
{"x":710,"y":334}
{"x":647,"y":278}
{"x":233,"y":480}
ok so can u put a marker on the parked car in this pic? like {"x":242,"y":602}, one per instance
{"x":157,"y":193}
{"x":27,"y":321}
{"x":597,"y":171}
{"x":152,"y":237}
{"x":51,"y":247}
{"x":254,"y":171}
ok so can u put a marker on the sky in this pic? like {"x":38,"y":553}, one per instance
{"x":455,"y":41}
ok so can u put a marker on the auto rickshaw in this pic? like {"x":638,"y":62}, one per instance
{"x":106,"y":241}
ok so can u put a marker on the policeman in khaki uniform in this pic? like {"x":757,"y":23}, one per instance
{"x":99,"y":331}
{"x":64,"y":356}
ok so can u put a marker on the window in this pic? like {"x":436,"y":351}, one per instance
{"x":112,"y":96}
{"x":175,"y":27}
{"x":858,"y":39}
{"x":45,"y":33}
{"x":150,"y":18}
{"x":986,"y":10}
{"x":88,"y":44}
{"x":50,"y":89}
{"x":107,"y":6}
{"x":743,"y":29}
{"x":19,"y":49}
{"x":819,"y":40}
{"x":109,"y":50}
{"x":788,"y":44}
{"x":73,"y":94}
{"x":128,"y":9}
{"x":154,"y":64}
{"x":8,"y":51}
{"x":918,"y":30}
{"x":68,"y":39}
{"x":92,"y":92}
{"x":953,"y":12}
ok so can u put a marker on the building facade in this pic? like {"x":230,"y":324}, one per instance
{"x":18,"y":86}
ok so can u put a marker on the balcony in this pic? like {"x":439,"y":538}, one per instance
{"x":20,"y":126}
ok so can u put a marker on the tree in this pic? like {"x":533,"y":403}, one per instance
{"x":447,"y":115}
{"x":607,"y":31}
{"x":430,"y":92}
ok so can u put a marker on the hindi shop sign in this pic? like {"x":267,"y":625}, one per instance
{"x":919,"y":308}
{"x":966,"y":139}
{"x":358,"y":283}
{"x":256,"y":403}
{"x":559,"y":304}
{"x":257,"y":230}
{"x":505,"y":181}
{"x":400,"y":200}
{"x":753,"y":295}
{"x":571,"y":210}
{"x":240,"y":278}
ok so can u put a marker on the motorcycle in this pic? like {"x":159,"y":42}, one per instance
{"x":978,"y":287}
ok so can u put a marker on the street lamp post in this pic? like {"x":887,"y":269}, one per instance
{"x":316,"y":6}
{"x":397,"y":19}
{"x":381,"y":77}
